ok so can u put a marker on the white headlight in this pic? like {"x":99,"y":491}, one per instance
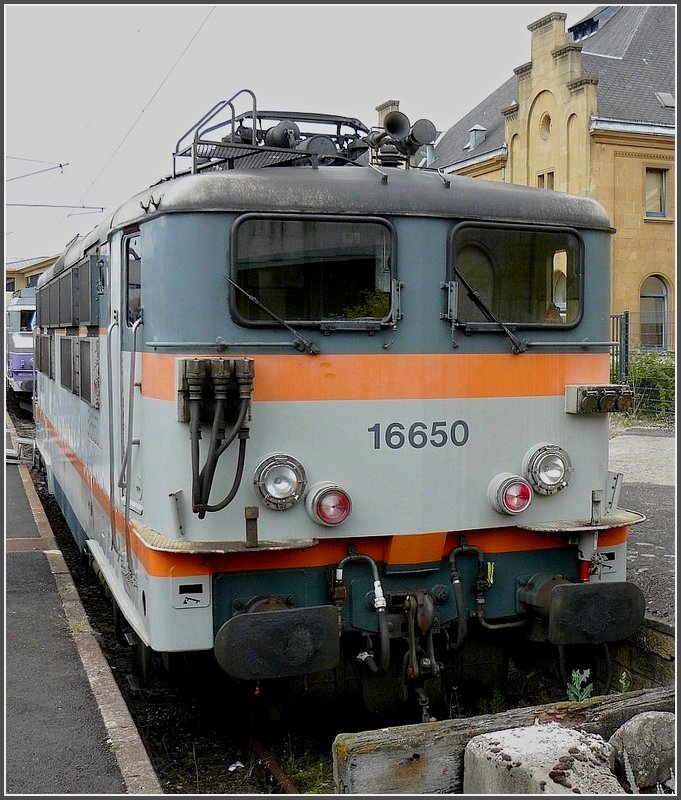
{"x":280,"y":480}
{"x":548,"y":468}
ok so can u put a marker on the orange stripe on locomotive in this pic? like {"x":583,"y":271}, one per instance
{"x":399,"y":377}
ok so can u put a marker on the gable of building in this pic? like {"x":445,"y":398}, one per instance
{"x":629,"y":52}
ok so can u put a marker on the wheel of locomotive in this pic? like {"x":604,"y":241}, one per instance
{"x":143,"y":662}
{"x":39,"y":464}
{"x":118,"y":623}
{"x":173,"y":664}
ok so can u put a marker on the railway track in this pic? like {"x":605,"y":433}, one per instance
{"x":202,"y":736}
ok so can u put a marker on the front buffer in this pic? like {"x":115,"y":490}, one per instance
{"x":279,"y":643}
{"x":563,"y":612}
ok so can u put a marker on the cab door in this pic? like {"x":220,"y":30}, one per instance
{"x":131,"y":339}
{"x":123,"y":382}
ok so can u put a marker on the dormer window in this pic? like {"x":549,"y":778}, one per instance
{"x":477,"y":135}
{"x":587,"y":28}
{"x":590,"y":25}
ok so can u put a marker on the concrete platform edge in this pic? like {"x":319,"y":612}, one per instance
{"x":126,"y":744}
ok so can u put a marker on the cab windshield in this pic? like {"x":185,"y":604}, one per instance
{"x":522,"y":276}
{"x":310,"y":270}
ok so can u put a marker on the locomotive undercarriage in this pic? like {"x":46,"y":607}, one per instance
{"x":427,"y":675}
{"x":426,"y":667}
{"x":424,"y":680}
{"x":420,"y":656}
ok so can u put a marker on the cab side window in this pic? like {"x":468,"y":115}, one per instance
{"x":133,"y":278}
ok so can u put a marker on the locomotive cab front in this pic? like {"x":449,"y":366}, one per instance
{"x":340,"y":421}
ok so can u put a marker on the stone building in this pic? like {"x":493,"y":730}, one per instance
{"x":593,"y":113}
{"x":25,"y":273}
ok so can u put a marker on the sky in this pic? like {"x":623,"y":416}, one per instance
{"x":97,"y":96}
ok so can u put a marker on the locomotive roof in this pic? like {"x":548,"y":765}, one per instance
{"x":351,"y":189}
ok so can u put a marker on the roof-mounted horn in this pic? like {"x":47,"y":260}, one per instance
{"x":399,"y":139}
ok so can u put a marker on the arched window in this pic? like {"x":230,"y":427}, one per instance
{"x":653,"y":306}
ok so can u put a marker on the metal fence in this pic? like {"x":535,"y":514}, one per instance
{"x":619,"y":354}
{"x":643,"y":357}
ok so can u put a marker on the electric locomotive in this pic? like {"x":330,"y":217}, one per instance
{"x":20,"y":313}
{"x":335,"y":419}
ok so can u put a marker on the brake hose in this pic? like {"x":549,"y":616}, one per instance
{"x":380,"y":606}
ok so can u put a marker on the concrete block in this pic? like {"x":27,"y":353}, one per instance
{"x":428,"y":758}
{"x":540,"y":759}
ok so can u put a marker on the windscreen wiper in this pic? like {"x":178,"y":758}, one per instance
{"x":300,"y":342}
{"x":518,"y":346}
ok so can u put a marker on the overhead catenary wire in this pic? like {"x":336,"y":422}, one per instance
{"x":55,"y":205}
{"x":80,"y":205}
{"x":34,"y":160}
{"x":148,"y":103}
{"x":37,"y":172}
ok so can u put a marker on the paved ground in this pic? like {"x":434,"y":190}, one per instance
{"x":645,"y":455}
{"x":647,"y":459}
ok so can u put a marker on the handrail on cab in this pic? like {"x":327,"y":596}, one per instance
{"x":197,"y":127}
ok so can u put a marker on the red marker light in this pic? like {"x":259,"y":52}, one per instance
{"x":328,"y":504}
{"x":509,"y":494}
{"x":333,"y":506}
{"x":517,"y":497}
